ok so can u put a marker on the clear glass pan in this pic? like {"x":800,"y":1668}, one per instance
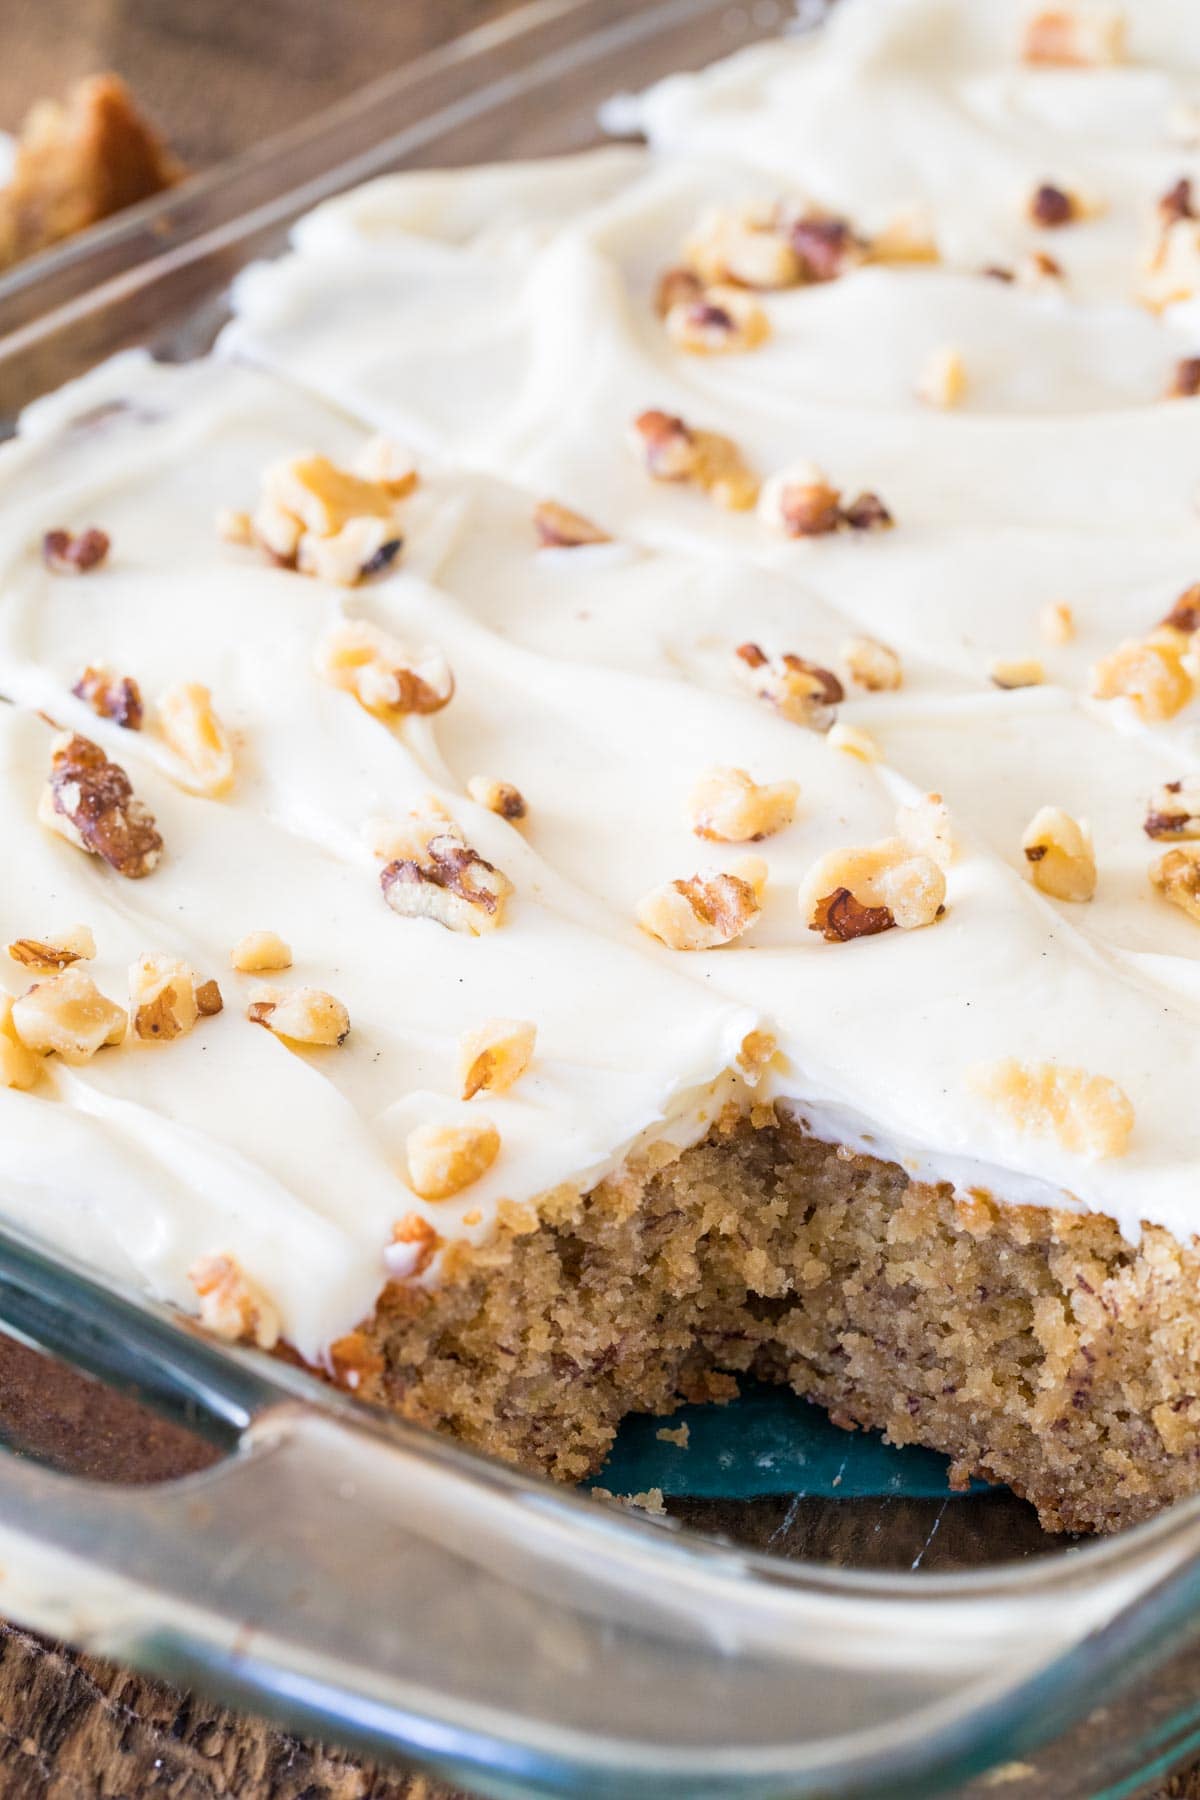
{"x":360,"y":1579}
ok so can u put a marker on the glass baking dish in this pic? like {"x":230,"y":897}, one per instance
{"x":577,"y":1650}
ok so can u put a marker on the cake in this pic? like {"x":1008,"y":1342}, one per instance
{"x":606,"y":798}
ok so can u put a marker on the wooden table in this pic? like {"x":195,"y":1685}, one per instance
{"x":219,"y":75}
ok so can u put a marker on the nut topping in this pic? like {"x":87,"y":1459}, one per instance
{"x":559,"y":528}
{"x":700,"y":913}
{"x":1175,"y":809}
{"x":1056,"y":622}
{"x":1018,"y":672}
{"x":1059,"y":852}
{"x":727,"y":806}
{"x":208,"y":999}
{"x":872,"y":665}
{"x":671,"y":450}
{"x":337,"y":524}
{"x":300,"y":1015}
{"x":386,"y":678}
{"x":448,"y":882}
{"x":925,"y":826}
{"x":1185,"y":380}
{"x":675,"y":287}
{"x":115,"y":697}
{"x":1070,"y":37}
{"x":747,"y":246}
{"x":1052,"y":207}
{"x":231,"y":1305}
{"x":861,"y":892}
{"x":19,"y":1065}
{"x":75,"y":553}
{"x":825,"y":246}
{"x":1184,"y":616}
{"x":801,"y":501}
{"x":1151,"y":675}
{"x":90,"y":801}
{"x":722,"y":320}
{"x":851,"y":740}
{"x":46,"y":956}
{"x":445,"y":1159}
{"x":942,"y":381}
{"x":1177,"y":878}
{"x":162,"y":998}
{"x":500,"y":797}
{"x":802,"y":691}
{"x":67,"y":1014}
{"x":494,"y":1056}
{"x":1089,"y":1115}
{"x":193,"y":731}
{"x":259,"y":952}
{"x":413,"y":1247}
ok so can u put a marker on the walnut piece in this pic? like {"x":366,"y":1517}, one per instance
{"x":802,"y":691}
{"x":1056,"y":622}
{"x":729,"y":807}
{"x":860,"y":892}
{"x":924,"y":825}
{"x":670,"y":450}
{"x":165,"y":998}
{"x":445,"y":1159}
{"x":1074,"y":37}
{"x":231,"y":1305}
{"x":193,"y":731}
{"x":825,"y":246}
{"x":115,"y":697}
{"x":1051,"y":206}
{"x":449,"y":883}
{"x":1174,"y":810}
{"x":387,"y":464}
{"x":1185,"y":379}
{"x":67,"y":1014}
{"x":1089,"y":1115}
{"x":942,"y":381}
{"x":1058,"y":850}
{"x":748,"y":246}
{"x":337,"y":524}
{"x":304,"y":1015}
{"x":494,"y":1056}
{"x":558,"y":528}
{"x":1151,"y":675}
{"x":19,"y":1065}
{"x":209,"y":1001}
{"x":756,"y":1053}
{"x":1017,"y":672}
{"x":46,"y":956}
{"x":362,"y":548}
{"x":90,"y":802}
{"x":413,"y":1247}
{"x":500,"y":797}
{"x":1183,"y":620}
{"x":388,"y":679}
{"x":1177,"y":878}
{"x":700,"y":913}
{"x":872,"y":665}
{"x":674,"y":285}
{"x":802,"y":502}
{"x":1170,"y":268}
{"x":259,"y":952}
{"x":851,"y":740}
{"x":75,"y":553}
{"x":721,"y":321}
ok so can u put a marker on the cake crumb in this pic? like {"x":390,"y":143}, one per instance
{"x":677,"y":1434}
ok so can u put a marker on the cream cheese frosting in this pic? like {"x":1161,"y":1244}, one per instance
{"x":501,"y":322}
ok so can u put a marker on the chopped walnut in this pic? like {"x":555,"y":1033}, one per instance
{"x":498,"y":796}
{"x":1017,"y":672}
{"x":19,"y":1065}
{"x":720,"y":322}
{"x":700,"y":913}
{"x":362,"y":548}
{"x":559,"y":528}
{"x":449,"y":883}
{"x":90,"y":802}
{"x":193,"y":731}
{"x":825,"y":246}
{"x":802,"y":691}
{"x":1185,"y":379}
{"x":413,"y":1247}
{"x":906,"y":238}
{"x":335,"y":523}
{"x":445,"y":1159}
{"x":1059,"y":852}
{"x":300,"y":1015}
{"x":749,"y":246}
{"x":801,"y":502}
{"x":209,"y":1001}
{"x":851,"y":740}
{"x":1184,"y":616}
{"x":1170,"y":268}
{"x":48,"y":955}
{"x":924,"y":825}
{"x":757,"y":1052}
{"x":410,"y":837}
{"x":162,"y":998}
{"x":386,"y":464}
{"x":1174,"y":810}
{"x":872,"y":665}
{"x":1038,"y":270}
{"x":753,"y":871}
{"x":858,"y":893}
{"x":67,"y":1014}
{"x":324,"y":497}
{"x":867,"y":513}
{"x":1151,"y":675}
{"x":1074,"y":37}
{"x":674,"y":286}
{"x":1089,"y":1115}
{"x":727,"y":806}
{"x":386,"y":678}
{"x":1052,"y":207}
{"x":115,"y":697}
{"x":75,"y":553}
{"x":942,"y":381}
{"x":231,"y":1305}
{"x":671,"y":450}
{"x":1177,"y":877}
{"x":259,"y":952}
{"x":1056,"y":622}
{"x":494,"y":1056}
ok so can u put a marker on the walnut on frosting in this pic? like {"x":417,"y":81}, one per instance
{"x":165,"y":998}
{"x":1071,"y":36}
{"x":305,"y":1015}
{"x":721,"y":321}
{"x":802,"y":502}
{"x":233,"y":1306}
{"x":1056,"y":622}
{"x":1058,"y":850}
{"x":115,"y":697}
{"x":1185,"y":379}
{"x":500,"y":797}
{"x":942,"y":379}
{"x":1170,"y":267}
{"x":202,"y":746}
{"x":260,"y":953}
{"x":1176,"y":875}
{"x":75,"y":552}
{"x":729,"y":807}
{"x":861,"y":892}
{"x":20,"y":1066}
{"x":432,"y":873}
{"x":747,"y":245}
{"x":494,"y":1055}
{"x":1174,"y":810}
{"x":1051,"y":206}
{"x":699,"y":913}
{"x":872,"y":665}
{"x":445,"y":1159}
{"x":414,"y":1245}
{"x":1088,"y":1115}
{"x":341,"y":525}
{"x":385,"y":676}
{"x":925,"y":826}
{"x":558,"y":528}
{"x":90,"y":801}
{"x":48,"y":955}
{"x":671,"y":450}
{"x":68,"y":1016}
{"x":802,"y":691}
{"x":1183,"y":620}
{"x":1012,"y":672}
{"x":1150,"y":674}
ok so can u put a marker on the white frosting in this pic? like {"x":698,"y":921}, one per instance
{"x":500,"y":321}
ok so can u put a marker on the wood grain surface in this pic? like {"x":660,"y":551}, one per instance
{"x":219,"y":75}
